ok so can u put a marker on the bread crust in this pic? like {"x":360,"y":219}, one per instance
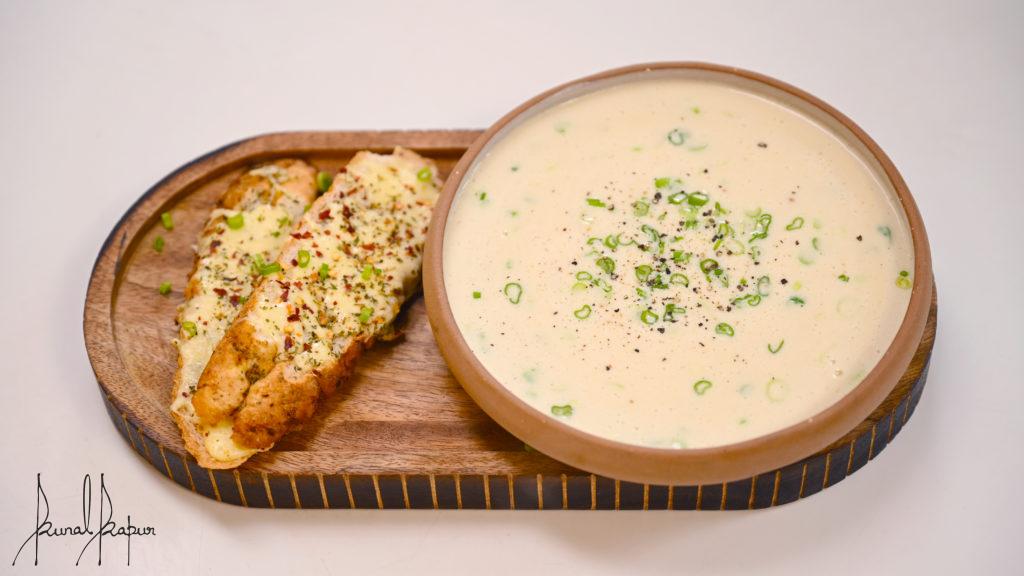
{"x":249,"y":190}
{"x":269,"y":374}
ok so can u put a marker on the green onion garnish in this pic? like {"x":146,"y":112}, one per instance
{"x":677,"y":198}
{"x":324,"y":271}
{"x":764,"y":285}
{"x":164,"y":289}
{"x":367,"y":272}
{"x":364,"y":314}
{"x":679,"y":279}
{"x":676,"y":137}
{"x":662,"y":182}
{"x":725,"y":329}
{"x":476,"y":295}
{"x":513,"y":291}
{"x":903,"y":280}
{"x":776,"y":349}
{"x":482,"y":196}
{"x":844,"y":278}
{"x":166,"y":220}
{"x":584,"y":276}
{"x":268,"y":269}
{"x":595,"y":202}
{"x":190,"y":328}
{"x":612,"y":242}
{"x":701,"y":386}
{"x":424,"y":175}
{"x":797,"y":300}
{"x":670,"y":312}
{"x":302,"y":258}
{"x":641,"y":208}
{"x":564,"y":410}
{"x":796,"y":224}
{"x":719,"y":210}
{"x":236,"y":221}
{"x":648,"y":317}
{"x":643,"y":271}
{"x":582,"y":313}
{"x":606,"y":264}
{"x":697,"y":199}
{"x":885,"y":231}
{"x":764,"y":221}
{"x":708,"y":264}
{"x":815,"y":244}
{"x":324,"y":181}
{"x":158,"y":243}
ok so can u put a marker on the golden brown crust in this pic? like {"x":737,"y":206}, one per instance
{"x":237,"y":362}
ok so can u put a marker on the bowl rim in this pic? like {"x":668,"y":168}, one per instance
{"x":673,"y":466}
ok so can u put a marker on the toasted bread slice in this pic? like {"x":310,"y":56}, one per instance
{"x":249,"y":227}
{"x":351,"y":262}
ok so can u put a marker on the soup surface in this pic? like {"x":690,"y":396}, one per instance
{"x":676,"y":263}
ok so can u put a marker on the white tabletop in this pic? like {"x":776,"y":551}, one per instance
{"x":98,"y":102}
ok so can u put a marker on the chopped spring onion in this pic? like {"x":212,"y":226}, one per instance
{"x":701,"y":386}
{"x":648,"y":317}
{"x":513,"y":291}
{"x":606,"y":264}
{"x":424,"y":175}
{"x":677,"y":198}
{"x":158,"y":244}
{"x":816,"y":244}
{"x":324,"y":271}
{"x":302,"y":258}
{"x":564,"y":410}
{"x":324,"y":181}
{"x":679,"y":279}
{"x":476,"y":295}
{"x":166,"y":220}
{"x":725,"y":329}
{"x":777,"y":347}
{"x":595,"y":202}
{"x":697,"y":199}
{"x":764,"y":221}
{"x":797,"y":300}
{"x":670,"y":312}
{"x":643,"y":271}
{"x":482,"y":196}
{"x":885,"y":231}
{"x":641,"y":208}
{"x":662,"y":182}
{"x":844,"y":278}
{"x":189,"y":328}
{"x":364,"y":314}
{"x":268,"y":269}
{"x":584,"y":276}
{"x":903,"y":280}
{"x":367,"y":272}
{"x":764,"y":286}
{"x":677,"y":137}
{"x":164,"y":289}
{"x":236,"y":221}
{"x":612,"y":242}
{"x":796,"y":224}
{"x":582,"y":313}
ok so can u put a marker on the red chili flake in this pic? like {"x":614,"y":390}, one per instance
{"x":346,"y":249}
{"x":215,"y":243}
{"x":319,"y":254}
{"x":346,"y":211}
{"x":235,"y":299}
{"x":370,"y":246}
{"x":351,"y":229}
{"x":295,"y":317}
{"x":325,"y":214}
{"x":306,"y":346}
{"x":288,"y":342}
{"x":220,"y":292}
{"x":300,"y":236}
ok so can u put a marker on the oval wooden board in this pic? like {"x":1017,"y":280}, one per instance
{"x":401,"y":433}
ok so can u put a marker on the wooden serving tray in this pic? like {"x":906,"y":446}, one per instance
{"x":401,"y":433}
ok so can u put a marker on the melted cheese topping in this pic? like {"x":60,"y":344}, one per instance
{"x":222,"y":282}
{"x":353,"y":261}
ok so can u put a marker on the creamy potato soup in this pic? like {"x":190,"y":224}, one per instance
{"x":676,"y":263}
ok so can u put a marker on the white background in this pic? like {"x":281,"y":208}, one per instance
{"x":100,"y":100}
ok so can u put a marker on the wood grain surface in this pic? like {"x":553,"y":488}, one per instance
{"x":401,"y":433}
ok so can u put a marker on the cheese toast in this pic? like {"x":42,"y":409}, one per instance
{"x":340,"y":280}
{"x":246,"y":230}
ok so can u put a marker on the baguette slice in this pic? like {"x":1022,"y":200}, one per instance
{"x":352,"y":261}
{"x":250,"y":226}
